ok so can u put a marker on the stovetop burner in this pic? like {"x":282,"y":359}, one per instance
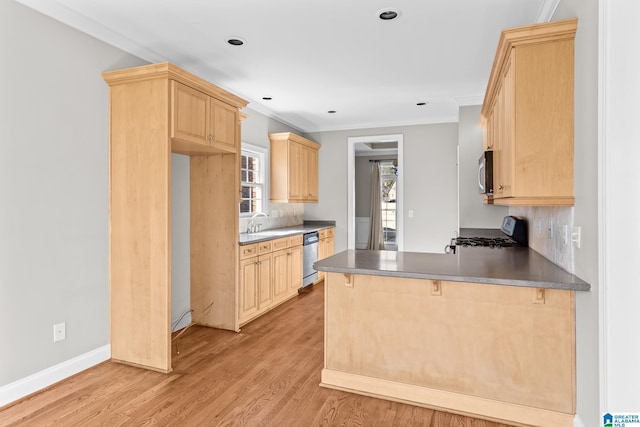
{"x":487,"y":242}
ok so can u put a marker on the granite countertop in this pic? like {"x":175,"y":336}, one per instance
{"x":276,"y":233}
{"x":516,"y":266}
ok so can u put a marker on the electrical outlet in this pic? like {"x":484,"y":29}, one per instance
{"x":550,"y":229}
{"x":576,"y":237}
{"x":410,"y":213}
{"x":565,"y":234}
{"x":59,"y":331}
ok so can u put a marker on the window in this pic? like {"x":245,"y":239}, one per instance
{"x":253,"y":180}
{"x":388,"y":180}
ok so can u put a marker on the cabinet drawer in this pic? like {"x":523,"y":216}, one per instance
{"x":322,"y":234}
{"x":265,"y":247}
{"x":248,"y":251}
{"x":295,"y":240}
{"x":281,"y":243}
{"x":330,"y":232}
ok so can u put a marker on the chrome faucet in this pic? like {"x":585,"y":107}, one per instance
{"x":251,"y":225}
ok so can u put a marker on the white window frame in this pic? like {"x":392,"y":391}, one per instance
{"x":382,"y":178}
{"x":263,"y":153}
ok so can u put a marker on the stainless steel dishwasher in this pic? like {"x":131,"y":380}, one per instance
{"x":309,"y":256}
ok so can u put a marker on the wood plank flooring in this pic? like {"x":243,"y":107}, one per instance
{"x":267,"y":375}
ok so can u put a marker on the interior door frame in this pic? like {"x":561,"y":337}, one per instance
{"x":351,"y":184}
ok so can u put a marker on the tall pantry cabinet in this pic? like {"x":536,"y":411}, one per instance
{"x":156,"y":110}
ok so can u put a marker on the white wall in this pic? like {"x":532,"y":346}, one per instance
{"x":53,"y":190}
{"x":473,"y":213}
{"x":430,"y":183}
{"x":621,"y":205}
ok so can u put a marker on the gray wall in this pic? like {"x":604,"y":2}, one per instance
{"x":257,"y":127}
{"x":473,"y":213}
{"x":53,"y":190}
{"x":430,"y":183}
{"x":180,"y":242}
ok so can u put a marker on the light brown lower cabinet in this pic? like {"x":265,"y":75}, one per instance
{"x":281,"y":274}
{"x":268,"y":279}
{"x":325,"y":247}
{"x":295,"y":269}
{"x":255,"y":295}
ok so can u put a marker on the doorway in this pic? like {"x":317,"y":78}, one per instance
{"x":388,"y":150}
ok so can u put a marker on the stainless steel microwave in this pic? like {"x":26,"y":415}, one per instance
{"x":485,"y":173}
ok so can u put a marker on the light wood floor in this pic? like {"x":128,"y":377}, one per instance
{"x":267,"y":375}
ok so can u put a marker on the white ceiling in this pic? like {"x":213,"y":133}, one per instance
{"x":312,"y":56}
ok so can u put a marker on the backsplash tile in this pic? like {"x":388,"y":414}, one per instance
{"x":554,"y":249}
{"x":280,"y":215}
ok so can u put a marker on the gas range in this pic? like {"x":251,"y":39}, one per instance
{"x":487,"y":242}
{"x":514,"y":233}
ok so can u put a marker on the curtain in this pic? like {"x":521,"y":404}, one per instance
{"x":376,"y":239}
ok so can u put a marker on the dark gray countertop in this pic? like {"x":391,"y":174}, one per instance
{"x":519,"y":266}
{"x":276,"y":233}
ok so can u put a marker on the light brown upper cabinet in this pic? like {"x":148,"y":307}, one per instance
{"x":294,"y":168}
{"x":201,"y":119}
{"x":527,"y":115}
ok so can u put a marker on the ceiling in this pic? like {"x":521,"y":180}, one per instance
{"x":314,"y":56}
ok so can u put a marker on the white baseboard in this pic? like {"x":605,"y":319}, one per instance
{"x":33,"y":383}
{"x":577,"y":422}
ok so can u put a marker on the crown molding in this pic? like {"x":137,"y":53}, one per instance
{"x":547,"y":10}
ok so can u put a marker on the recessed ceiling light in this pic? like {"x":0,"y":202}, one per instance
{"x":421,"y":103}
{"x":331,"y":111}
{"x":236,"y":41}
{"x":267,"y":98}
{"x":388,"y":13}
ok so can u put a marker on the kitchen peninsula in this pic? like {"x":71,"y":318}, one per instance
{"x":485,"y":332}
